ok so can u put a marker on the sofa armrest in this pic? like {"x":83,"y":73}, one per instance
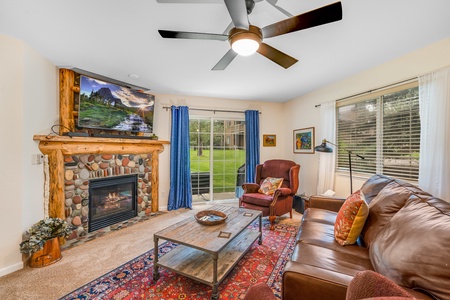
{"x":324,"y":202}
{"x":250,"y":187}
{"x":312,"y":282}
{"x":283,"y":192}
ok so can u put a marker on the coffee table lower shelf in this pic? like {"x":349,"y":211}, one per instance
{"x":199,"y":265}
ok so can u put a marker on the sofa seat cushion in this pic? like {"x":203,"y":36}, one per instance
{"x":328,"y":259}
{"x":413,"y":248}
{"x":257,"y":199}
{"x":320,"y":234}
{"x":319,"y":215}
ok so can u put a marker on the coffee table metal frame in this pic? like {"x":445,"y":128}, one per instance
{"x":201,"y":254}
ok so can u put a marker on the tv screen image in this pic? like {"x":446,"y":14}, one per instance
{"x":108,"y":106}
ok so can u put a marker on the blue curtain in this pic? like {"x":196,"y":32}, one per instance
{"x":180,"y":194}
{"x":251,"y":143}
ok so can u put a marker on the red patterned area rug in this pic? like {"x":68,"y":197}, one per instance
{"x":134,"y":280}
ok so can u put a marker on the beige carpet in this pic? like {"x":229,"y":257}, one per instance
{"x":84,"y":263}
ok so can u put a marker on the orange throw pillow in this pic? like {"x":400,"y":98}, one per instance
{"x":269,"y":185}
{"x":350,"y":219}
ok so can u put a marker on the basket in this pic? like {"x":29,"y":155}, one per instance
{"x":210,"y":217}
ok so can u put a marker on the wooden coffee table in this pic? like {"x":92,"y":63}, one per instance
{"x":208,"y":253}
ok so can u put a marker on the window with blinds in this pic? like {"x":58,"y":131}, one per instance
{"x":384,"y":128}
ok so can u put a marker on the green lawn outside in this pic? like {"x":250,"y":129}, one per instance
{"x":226,"y":163}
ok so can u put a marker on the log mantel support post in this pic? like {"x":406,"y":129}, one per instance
{"x":155,"y":181}
{"x":56,"y":147}
{"x":56,"y":172}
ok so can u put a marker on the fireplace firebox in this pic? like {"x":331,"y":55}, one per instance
{"x":112,"y":200}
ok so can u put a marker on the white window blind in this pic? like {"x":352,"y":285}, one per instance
{"x":384,"y":128}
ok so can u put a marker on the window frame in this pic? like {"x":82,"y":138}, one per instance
{"x":379,"y":133}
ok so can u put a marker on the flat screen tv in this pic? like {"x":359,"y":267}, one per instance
{"x":108,"y":106}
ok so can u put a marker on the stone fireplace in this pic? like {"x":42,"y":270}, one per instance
{"x":77,"y":164}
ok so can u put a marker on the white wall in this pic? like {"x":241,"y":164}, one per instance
{"x":301,"y":112}
{"x":11,"y":97}
{"x":40,"y":112}
{"x":271,"y":122}
{"x":28,"y":98}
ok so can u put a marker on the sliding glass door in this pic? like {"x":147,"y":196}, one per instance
{"x":217,"y":157}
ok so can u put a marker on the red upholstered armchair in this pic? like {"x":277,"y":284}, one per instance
{"x":281,"y":201}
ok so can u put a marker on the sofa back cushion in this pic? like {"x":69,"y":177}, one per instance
{"x":374,"y":185}
{"x":385,"y":205}
{"x":413,"y":248}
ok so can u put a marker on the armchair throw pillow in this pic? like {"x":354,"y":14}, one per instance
{"x":350,"y":219}
{"x":269,"y":185}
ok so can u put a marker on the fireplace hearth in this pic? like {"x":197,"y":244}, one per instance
{"x":112,"y":200}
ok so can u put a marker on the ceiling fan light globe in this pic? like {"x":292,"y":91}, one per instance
{"x":245,"y":47}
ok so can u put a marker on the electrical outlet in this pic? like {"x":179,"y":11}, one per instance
{"x":163,"y":194}
{"x":37,"y":159}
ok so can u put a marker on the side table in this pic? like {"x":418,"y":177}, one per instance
{"x":301,"y":203}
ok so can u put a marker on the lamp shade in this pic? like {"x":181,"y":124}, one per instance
{"x":323,"y":147}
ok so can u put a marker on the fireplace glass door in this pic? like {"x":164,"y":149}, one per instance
{"x":112,"y":200}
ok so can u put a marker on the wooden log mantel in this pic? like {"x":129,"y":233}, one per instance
{"x":56,"y":147}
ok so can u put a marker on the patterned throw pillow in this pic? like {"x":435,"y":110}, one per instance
{"x":350,"y":219}
{"x":269,"y":185}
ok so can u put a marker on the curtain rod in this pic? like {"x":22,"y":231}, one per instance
{"x":213,"y":110}
{"x":374,"y":90}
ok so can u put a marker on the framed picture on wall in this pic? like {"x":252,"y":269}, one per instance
{"x":269,"y":140}
{"x":304,"y":140}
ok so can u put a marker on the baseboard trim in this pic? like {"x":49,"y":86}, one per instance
{"x":11,"y":268}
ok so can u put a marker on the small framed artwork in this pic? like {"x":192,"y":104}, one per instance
{"x":304,"y":140}
{"x":269,"y":140}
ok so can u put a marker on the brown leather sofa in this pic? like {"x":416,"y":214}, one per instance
{"x":406,"y":238}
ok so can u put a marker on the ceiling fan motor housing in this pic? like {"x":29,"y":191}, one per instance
{"x":253,"y":33}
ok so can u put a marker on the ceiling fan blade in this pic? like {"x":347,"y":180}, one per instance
{"x":276,"y":56}
{"x":191,"y":1}
{"x":229,"y":27}
{"x":282,"y":10}
{"x":225,"y":61}
{"x":195,"y":1}
{"x":168,"y":34}
{"x":238,"y":13}
{"x":320,"y":16}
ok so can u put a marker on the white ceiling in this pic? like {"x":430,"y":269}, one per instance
{"x":116,"y":38}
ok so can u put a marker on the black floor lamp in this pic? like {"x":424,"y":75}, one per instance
{"x":324,"y":148}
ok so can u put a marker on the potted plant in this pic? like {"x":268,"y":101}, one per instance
{"x":43,"y":241}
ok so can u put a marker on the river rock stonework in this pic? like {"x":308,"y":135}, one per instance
{"x":80,"y":168}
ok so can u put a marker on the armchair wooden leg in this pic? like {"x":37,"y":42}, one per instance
{"x":290,"y":214}
{"x":272,"y":222}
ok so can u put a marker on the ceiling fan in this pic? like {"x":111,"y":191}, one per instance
{"x":246,"y":39}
